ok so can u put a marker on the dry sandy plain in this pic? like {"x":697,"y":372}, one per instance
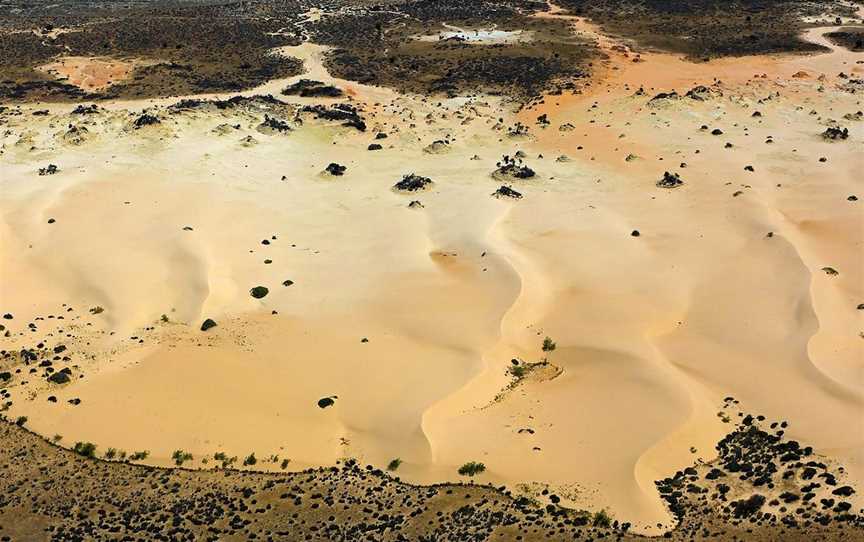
{"x":743,"y":282}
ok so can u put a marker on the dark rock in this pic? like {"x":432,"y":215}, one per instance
{"x":833,"y":133}
{"x":208,"y":324}
{"x":412,"y":183}
{"x":308,"y":88}
{"x":670,"y":180}
{"x":50,"y":169}
{"x":507,"y":192}
{"x":259,"y":291}
{"x":335,"y":169}
{"x":145,"y":120}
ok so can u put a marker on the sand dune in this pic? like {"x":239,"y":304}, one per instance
{"x":409,"y":317}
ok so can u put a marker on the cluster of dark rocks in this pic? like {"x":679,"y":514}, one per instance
{"x":412,"y":183}
{"x":337,"y":170}
{"x":272,"y":124}
{"x":346,"y":113}
{"x":670,"y":180}
{"x":145,"y":119}
{"x":307,"y":88}
{"x":512,"y":167}
{"x":762,"y":480}
{"x":507,"y":192}
{"x":50,"y":169}
{"x":835,"y":133}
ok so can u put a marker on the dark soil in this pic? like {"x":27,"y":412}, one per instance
{"x":50,"y":493}
{"x":197,"y":48}
{"x":703,"y":29}
{"x":850,"y":38}
{"x":380,"y":47}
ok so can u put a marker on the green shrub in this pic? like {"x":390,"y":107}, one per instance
{"x":110,"y":453}
{"x":139,"y":456}
{"x":548,"y":344}
{"x":87,"y":449}
{"x":284,"y":464}
{"x":21,"y":421}
{"x":518,"y":371}
{"x":180,"y":457}
{"x":250,"y":460}
{"x":602,"y":519}
{"x":393,"y":465}
{"x":471,"y":468}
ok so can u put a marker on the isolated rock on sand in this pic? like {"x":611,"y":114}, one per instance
{"x":835,"y":133}
{"x":86,"y":109}
{"x":374,"y":147}
{"x":61,"y":377}
{"x":670,"y":180}
{"x":506,"y":192}
{"x":437,"y":147}
{"x":512,"y":168}
{"x":308,"y":88}
{"x":335,"y":169}
{"x":325,"y":402}
{"x":259,"y":291}
{"x":50,"y":169}
{"x":208,"y":324}
{"x":339,"y":112}
{"x":272,"y":125}
{"x":412,"y":183}
{"x":225,"y":128}
{"x":663,"y":99}
{"x":75,"y":135}
{"x":146,"y":119}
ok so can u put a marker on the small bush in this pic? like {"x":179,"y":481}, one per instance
{"x":284,"y":464}
{"x":87,"y":449}
{"x":393,"y":465}
{"x":548,"y":344}
{"x":139,"y":456}
{"x":220,"y":456}
{"x":21,"y":421}
{"x":111,"y":453}
{"x":602,"y":519}
{"x":180,"y":457}
{"x":250,"y":460}
{"x":518,"y":371}
{"x":471,"y":468}
{"x":57,"y":438}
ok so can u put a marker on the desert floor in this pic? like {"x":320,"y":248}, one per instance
{"x":745,"y":281}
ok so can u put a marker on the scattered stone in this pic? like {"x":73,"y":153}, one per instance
{"x":833,"y":133}
{"x":50,"y":169}
{"x":307,"y":88}
{"x":412,"y":183}
{"x":335,"y":169}
{"x":259,"y":292}
{"x":146,"y":120}
{"x":507,"y":192}
{"x":208,"y":324}
{"x":670,"y":180}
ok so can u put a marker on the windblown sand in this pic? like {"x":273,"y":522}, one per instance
{"x":410,"y":317}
